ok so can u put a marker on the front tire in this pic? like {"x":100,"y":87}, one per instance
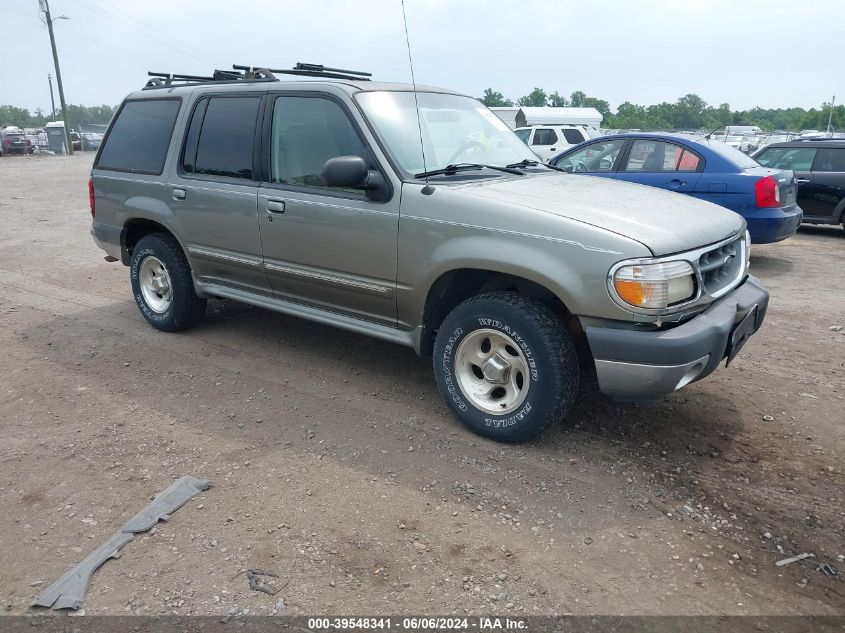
{"x":506,"y":366}
{"x":162,"y":284}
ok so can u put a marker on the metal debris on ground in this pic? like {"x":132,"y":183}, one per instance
{"x":793,"y":559}
{"x":827,"y":570}
{"x":263,"y":581}
{"x":68,"y":592}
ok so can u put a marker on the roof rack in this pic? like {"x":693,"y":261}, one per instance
{"x":314,"y":70}
{"x":255,"y":73}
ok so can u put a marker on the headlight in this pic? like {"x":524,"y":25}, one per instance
{"x":656,"y":285}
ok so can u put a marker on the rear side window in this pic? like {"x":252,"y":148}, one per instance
{"x":830,"y":159}
{"x":572,"y":136}
{"x":656,"y":156}
{"x":139,"y":138}
{"x":544,"y":137}
{"x":225,"y":141}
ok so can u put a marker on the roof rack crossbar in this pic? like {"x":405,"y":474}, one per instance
{"x":321,"y":68}
{"x":311,"y":70}
{"x":179,"y":77}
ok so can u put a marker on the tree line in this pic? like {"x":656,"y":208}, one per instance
{"x":78,"y":114}
{"x":690,"y":112}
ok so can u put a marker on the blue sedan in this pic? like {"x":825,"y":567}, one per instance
{"x":697,"y":166}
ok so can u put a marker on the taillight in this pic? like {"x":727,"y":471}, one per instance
{"x":767,"y":192}
{"x":91,"y":200}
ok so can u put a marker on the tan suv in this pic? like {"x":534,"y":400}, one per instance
{"x":418,"y":217}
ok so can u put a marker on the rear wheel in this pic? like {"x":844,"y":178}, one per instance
{"x":506,"y":366}
{"x":162,"y":284}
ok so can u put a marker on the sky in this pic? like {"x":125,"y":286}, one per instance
{"x":768,"y":53}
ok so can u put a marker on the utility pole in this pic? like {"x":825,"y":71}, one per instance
{"x":830,"y":114}
{"x":46,"y":9}
{"x":52,"y":101}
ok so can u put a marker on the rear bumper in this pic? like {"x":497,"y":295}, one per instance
{"x":643,"y":366}
{"x":773,"y":225}
{"x":107,"y":237}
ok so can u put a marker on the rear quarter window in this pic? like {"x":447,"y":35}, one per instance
{"x":830,"y":159}
{"x":139,"y":137}
{"x":573,"y":136}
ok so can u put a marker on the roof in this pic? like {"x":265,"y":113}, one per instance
{"x":680,"y":136}
{"x":347,"y":85}
{"x":838,"y":143}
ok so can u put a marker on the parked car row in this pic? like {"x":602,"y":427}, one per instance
{"x":703,"y":168}
{"x":16,"y":141}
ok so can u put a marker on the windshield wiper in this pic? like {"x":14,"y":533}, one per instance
{"x":533,"y":163}
{"x":449,"y":170}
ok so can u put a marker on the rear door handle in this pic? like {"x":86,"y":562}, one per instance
{"x":179,"y":194}
{"x":677,"y":182}
{"x":802,"y":181}
{"x":276,"y":206}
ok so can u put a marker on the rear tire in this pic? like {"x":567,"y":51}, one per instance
{"x":162,"y":284}
{"x":506,"y":366}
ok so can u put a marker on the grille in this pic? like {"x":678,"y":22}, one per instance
{"x":722,"y":266}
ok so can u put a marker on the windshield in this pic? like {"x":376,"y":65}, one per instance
{"x":454,"y":129}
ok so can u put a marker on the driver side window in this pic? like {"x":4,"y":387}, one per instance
{"x":306,"y":132}
{"x":596,"y":157}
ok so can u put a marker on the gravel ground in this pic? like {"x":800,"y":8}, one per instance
{"x":336,"y":465}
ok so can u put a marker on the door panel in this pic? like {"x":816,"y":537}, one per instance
{"x":828,"y":186}
{"x":804,"y":198}
{"x":334,"y":249}
{"x":213,"y":193}
{"x":661,"y":164}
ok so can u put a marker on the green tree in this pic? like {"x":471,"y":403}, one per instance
{"x":493,"y":99}
{"x":536,"y":97}
{"x":576,"y":99}
{"x":556,"y":101}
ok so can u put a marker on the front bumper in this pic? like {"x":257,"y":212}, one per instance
{"x":643,"y":366}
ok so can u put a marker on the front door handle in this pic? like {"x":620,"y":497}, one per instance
{"x":802,"y":181}
{"x":276,"y":206}
{"x":676,"y":183}
{"x":179,"y":194}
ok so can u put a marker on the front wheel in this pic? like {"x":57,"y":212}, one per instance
{"x":506,"y":366}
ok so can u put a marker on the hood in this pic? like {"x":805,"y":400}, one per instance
{"x":664,"y":221}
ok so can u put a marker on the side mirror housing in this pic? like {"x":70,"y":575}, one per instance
{"x":349,"y":172}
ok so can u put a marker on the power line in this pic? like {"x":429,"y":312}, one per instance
{"x":144,"y":30}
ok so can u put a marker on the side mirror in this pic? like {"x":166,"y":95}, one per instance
{"x":349,"y":172}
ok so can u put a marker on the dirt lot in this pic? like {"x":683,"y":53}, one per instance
{"x":336,"y":465}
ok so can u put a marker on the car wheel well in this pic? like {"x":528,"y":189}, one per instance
{"x":132,"y":233}
{"x":455,"y":286}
